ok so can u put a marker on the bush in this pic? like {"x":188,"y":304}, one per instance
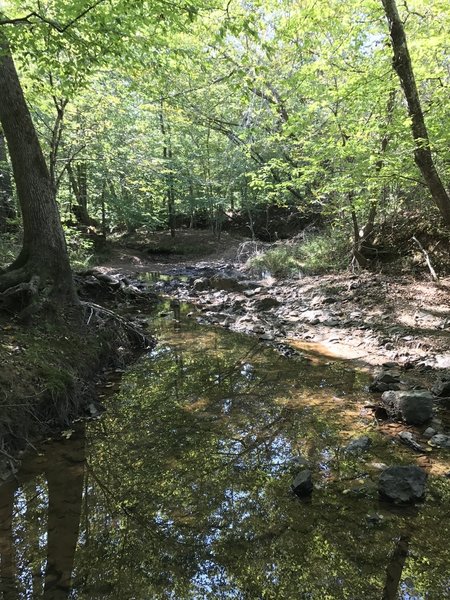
{"x":327,"y":251}
{"x":319,"y":253}
{"x":278,"y":262}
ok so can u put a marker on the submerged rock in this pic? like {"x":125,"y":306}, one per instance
{"x":402,"y":484}
{"x":358,"y":445}
{"x":302,"y":485}
{"x":413,"y":407}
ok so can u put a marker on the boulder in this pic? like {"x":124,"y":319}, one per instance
{"x":358,"y":445}
{"x":413,"y":407}
{"x":441,"y":388}
{"x":440,"y":441}
{"x":385,"y":381}
{"x":402,"y":484}
{"x":302,"y":485}
{"x":226,"y":283}
{"x":266,"y":303}
{"x":201,"y":284}
{"x":429,"y":432}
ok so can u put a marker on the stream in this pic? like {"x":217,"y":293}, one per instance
{"x":182,"y":489}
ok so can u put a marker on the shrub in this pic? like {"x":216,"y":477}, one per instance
{"x":326,"y":251}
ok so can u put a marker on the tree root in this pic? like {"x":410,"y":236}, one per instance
{"x":22,"y":297}
{"x":134,"y":333}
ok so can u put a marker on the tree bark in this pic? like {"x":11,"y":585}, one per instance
{"x":7,"y":210}
{"x":167,"y":156}
{"x":44,"y":251}
{"x":78,"y":182}
{"x":422,"y":153}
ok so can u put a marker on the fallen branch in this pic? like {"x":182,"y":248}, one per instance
{"x":427,"y":259}
{"x":134,"y":332}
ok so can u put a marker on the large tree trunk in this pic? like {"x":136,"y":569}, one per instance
{"x":7,"y":210}
{"x":422,"y":153}
{"x":44,"y":251}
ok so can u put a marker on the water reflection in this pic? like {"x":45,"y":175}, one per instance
{"x":39,"y":522}
{"x":183,"y":490}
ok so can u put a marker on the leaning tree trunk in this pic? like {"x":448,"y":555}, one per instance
{"x":422,"y":152}
{"x":44,"y":254}
{"x":7,"y":211}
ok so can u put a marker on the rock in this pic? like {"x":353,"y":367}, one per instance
{"x":429,"y":432}
{"x":302,"y":485}
{"x":406,"y":437}
{"x":440,"y":441}
{"x":402,"y":484}
{"x":441,"y":388}
{"x":385,"y":381}
{"x":266,"y":303}
{"x":413,"y":407}
{"x":358,"y":445}
{"x":201,"y":284}
{"x":228,"y":284}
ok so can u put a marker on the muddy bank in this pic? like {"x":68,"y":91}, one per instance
{"x":49,"y":368}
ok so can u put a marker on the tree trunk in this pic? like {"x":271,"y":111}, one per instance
{"x":167,"y":156}
{"x":44,"y":252}
{"x":422,"y":153}
{"x":78,"y":182}
{"x":7,"y":210}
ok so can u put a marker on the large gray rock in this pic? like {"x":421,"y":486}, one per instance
{"x":441,"y":388}
{"x":302,"y":485}
{"x":226,"y":283}
{"x":440,"y":441}
{"x":413,"y":407}
{"x":385,"y":381}
{"x":402,"y":484}
{"x":266,"y":303}
{"x":201,"y":284}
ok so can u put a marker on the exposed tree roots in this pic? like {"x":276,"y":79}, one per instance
{"x":95,"y":314}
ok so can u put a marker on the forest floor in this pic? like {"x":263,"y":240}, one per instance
{"x":371,"y":318}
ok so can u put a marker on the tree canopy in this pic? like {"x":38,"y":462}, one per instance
{"x":175,"y":114}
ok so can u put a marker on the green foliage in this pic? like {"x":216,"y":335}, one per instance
{"x":329,"y":250}
{"x":281,"y":261}
{"x":81,"y":250}
{"x":326,"y":251}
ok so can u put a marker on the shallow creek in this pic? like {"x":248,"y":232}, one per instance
{"x":182,"y":489}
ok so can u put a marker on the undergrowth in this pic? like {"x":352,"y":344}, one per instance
{"x":318,"y":253}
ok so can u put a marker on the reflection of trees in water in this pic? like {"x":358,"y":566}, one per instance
{"x":395,"y":567}
{"x":49,"y":484}
{"x":187,"y":490}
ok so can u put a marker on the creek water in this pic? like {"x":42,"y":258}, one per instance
{"x":182,"y":489}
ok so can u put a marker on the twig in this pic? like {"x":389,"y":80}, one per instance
{"x":427,"y":259}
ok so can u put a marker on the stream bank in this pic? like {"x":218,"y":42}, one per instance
{"x":50,"y":366}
